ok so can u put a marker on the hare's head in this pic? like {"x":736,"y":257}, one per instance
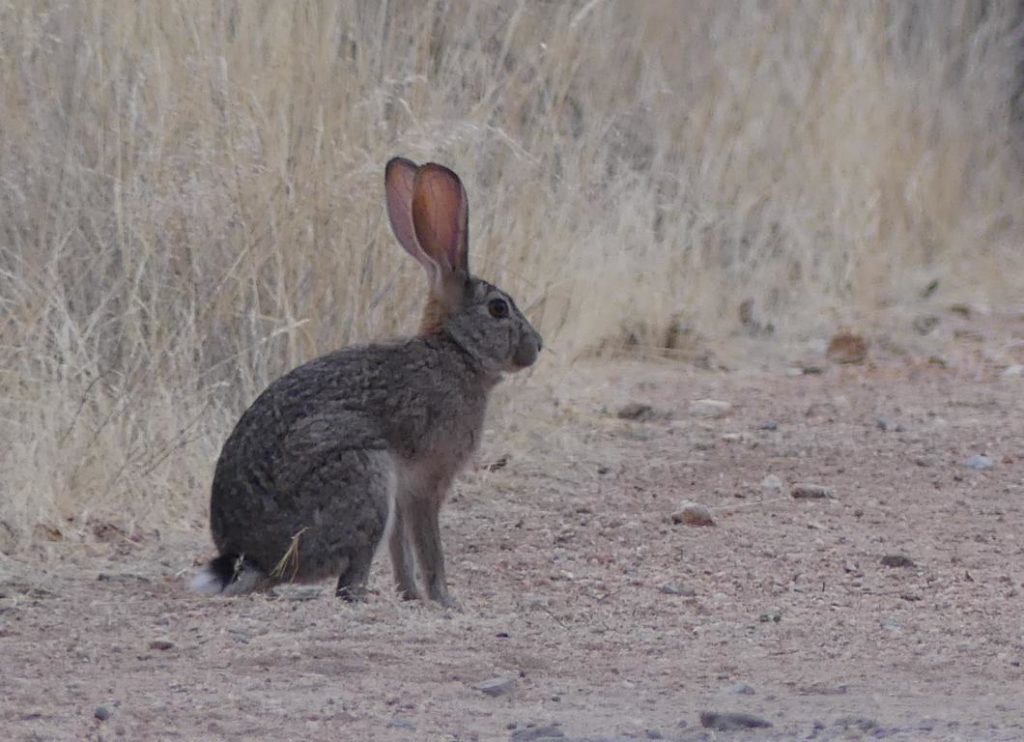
{"x":429,"y":215}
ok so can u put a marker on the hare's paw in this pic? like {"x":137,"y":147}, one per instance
{"x":449,"y":603}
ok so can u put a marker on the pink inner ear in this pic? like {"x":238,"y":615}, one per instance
{"x":440,"y":215}
{"x":399,"y":181}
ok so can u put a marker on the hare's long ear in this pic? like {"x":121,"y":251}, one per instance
{"x":399,"y":179}
{"x":440,"y":216}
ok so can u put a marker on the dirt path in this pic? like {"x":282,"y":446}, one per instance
{"x":598,"y":616}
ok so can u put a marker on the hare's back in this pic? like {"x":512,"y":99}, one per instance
{"x":347,"y":386}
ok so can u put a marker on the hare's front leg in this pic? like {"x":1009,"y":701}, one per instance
{"x":426,"y":538}
{"x":424,"y":532}
{"x":402,"y":565}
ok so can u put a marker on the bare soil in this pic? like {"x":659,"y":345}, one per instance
{"x":598,"y":615}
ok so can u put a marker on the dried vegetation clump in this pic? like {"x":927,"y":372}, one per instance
{"x":190,"y":198}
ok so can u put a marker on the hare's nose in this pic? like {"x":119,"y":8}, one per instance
{"x":527,"y":351}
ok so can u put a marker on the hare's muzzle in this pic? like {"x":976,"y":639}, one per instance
{"x":529,"y":347}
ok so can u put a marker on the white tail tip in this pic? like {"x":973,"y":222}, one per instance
{"x":206,"y":582}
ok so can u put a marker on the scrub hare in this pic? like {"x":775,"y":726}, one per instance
{"x":367,"y":440}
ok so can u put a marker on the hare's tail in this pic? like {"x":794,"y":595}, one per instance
{"x":228,"y":574}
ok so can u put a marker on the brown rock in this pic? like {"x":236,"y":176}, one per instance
{"x":636,"y":411}
{"x":806,"y":491}
{"x":847,"y":347}
{"x":693,"y":514}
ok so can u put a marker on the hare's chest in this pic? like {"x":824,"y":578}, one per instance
{"x":449,"y":442}
{"x":440,"y":442}
{"x":428,"y":470}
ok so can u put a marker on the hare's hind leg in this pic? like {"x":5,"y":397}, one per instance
{"x":360,"y":520}
{"x":352,"y":581}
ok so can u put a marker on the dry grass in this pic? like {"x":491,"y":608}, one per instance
{"x":190,"y":195}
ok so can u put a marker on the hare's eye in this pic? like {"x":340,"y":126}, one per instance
{"x":498,"y":308}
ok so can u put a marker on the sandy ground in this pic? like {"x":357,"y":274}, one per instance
{"x":593,"y":613}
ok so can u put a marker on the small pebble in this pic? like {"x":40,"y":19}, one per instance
{"x":496,"y":686}
{"x":897,"y":560}
{"x":1014,"y":370}
{"x":887,"y":425}
{"x":925,"y":324}
{"x":693,"y":514}
{"x":771,"y":482}
{"x":823,"y":690}
{"x":534,"y":733}
{"x":768,"y":425}
{"x":728,"y":722}
{"x":807,"y":491}
{"x":710,"y":408}
{"x":822,"y":409}
{"x":102,"y":713}
{"x":121,"y":577}
{"x":636,"y":411}
{"x":740,"y":689}
{"x":161,"y":644}
{"x":979,"y":462}
{"x":685,"y":592}
{"x":861,"y":723}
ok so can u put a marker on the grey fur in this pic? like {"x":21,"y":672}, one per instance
{"x":341,"y":449}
